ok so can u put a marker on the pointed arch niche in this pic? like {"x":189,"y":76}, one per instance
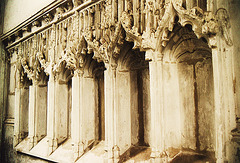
{"x":88,"y":125}
{"x":127,"y":107}
{"x":21,"y":106}
{"x":188,"y":97}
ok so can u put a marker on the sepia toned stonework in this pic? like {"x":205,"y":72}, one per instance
{"x":121,"y":81}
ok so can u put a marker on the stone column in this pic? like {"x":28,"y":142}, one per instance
{"x":224,"y":107}
{"x":37,"y":113}
{"x":57,"y":114}
{"x":16,"y":117}
{"x":77,"y":103}
{"x":113,"y":151}
{"x":3,"y":89}
{"x":157,"y":110}
{"x":52,"y":141}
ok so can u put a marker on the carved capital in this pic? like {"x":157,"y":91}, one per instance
{"x":210,"y":26}
{"x":78,"y":72}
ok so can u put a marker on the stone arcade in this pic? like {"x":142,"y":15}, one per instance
{"x":122,"y":81}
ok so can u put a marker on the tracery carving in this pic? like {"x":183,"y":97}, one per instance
{"x":25,"y":65}
{"x":98,"y":29}
{"x":205,"y":25}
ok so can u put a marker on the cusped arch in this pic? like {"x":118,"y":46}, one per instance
{"x":184,"y":45}
{"x":128,"y":59}
{"x":91,"y":66}
{"x":64,"y":74}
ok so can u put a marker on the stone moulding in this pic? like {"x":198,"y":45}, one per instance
{"x":154,"y":37}
{"x":45,"y":14}
{"x":66,"y":32}
{"x":34,"y":18}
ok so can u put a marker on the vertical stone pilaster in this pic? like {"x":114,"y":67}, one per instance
{"x":76,"y":105}
{"x":17,"y":117}
{"x":157,"y":110}
{"x":3,"y":91}
{"x":17,"y":109}
{"x":32,"y":116}
{"x":219,"y":105}
{"x":51,"y":135}
{"x":110,"y":113}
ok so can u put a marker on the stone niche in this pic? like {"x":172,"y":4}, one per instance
{"x":38,"y":110}
{"x":21,"y":108}
{"x":132,"y":101}
{"x":188,"y":94}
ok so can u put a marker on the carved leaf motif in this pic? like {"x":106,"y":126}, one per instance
{"x":210,"y":26}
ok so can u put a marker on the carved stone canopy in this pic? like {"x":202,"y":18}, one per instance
{"x":74,"y":29}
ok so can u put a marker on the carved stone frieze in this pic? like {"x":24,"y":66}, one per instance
{"x":101,"y":29}
{"x":48,"y":18}
{"x":77,"y":2}
{"x":204,"y":24}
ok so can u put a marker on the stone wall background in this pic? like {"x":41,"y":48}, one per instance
{"x":17,"y":11}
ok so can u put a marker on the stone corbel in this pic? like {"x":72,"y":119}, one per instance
{"x":131,"y":31}
{"x":99,"y":48}
{"x":48,"y":18}
{"x":30,"y":73}
{"x":44,"y":64}
{"x":193,"y":17}
{"x":36,"y":23}
{"x":117,"y":40}
{"x":27,"y":28}
{"x":69,"y":6}
{"x":59,"y":12}
{"x":19,"y":34}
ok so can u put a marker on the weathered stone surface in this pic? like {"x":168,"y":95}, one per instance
{"x":120,"y":81}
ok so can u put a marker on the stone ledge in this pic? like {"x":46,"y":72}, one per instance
{"x":63,"y":153}
{"x":22,"y":148}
